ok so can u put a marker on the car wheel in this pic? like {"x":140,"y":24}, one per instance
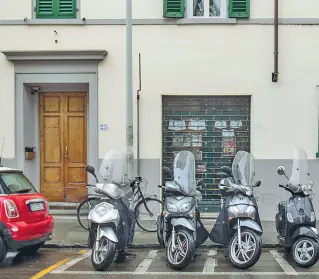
{"x":3,"y":249}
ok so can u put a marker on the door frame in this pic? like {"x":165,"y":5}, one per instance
{"x":66,"y":83}
{"x":64,"y":133}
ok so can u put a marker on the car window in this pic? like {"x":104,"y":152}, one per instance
{"x":17,"y":183}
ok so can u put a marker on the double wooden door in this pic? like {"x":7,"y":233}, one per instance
{"x":63,"y":146}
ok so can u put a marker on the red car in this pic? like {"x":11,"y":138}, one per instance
{"x":25,"y":222}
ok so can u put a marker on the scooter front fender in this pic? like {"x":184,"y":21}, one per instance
{"x":306,"y":231}
{"x":248,"y":223}
{"x":183,"y":222}
{"x":108,"y":233}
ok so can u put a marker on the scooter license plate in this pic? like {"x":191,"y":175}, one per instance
{"x":37,"y":206}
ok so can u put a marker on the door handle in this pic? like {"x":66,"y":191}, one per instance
{"x":66,"y":152}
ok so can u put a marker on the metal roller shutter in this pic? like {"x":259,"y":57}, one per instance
{"x":214,"y":128}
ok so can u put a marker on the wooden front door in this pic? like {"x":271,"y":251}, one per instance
{"x":63,"y":146}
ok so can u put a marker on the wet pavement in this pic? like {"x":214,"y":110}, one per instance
{"x":148,"y":264}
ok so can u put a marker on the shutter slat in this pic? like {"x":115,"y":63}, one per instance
{"x":173,"y":8}
{"x":67,"y":8}
{"x":44,"y":8}
{"x":239,"y":8}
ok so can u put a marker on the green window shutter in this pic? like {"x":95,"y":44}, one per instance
{"x":45,"y":9}
{"x":239,"y":8}
{"x":56,"y":9}
{"x":66,"y":9}
{"x":174,"y":8}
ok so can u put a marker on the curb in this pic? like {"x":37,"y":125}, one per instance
{"x":145,"y":246}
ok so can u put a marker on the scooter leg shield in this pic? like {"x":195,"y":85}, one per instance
{"x":109,"y":234}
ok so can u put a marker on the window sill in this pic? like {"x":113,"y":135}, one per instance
{"x":198,"y":20}
{"x":57,"y":21}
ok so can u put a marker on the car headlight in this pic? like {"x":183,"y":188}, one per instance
{"x":171,"y":207}
{"x":186,"y":206}
{"x":102,"y":208}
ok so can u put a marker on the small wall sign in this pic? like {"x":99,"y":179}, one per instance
{"x":104,"y":127}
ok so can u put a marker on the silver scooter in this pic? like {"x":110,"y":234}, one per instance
{"x":111,"y":219}
{"x":238,"y":224}
{"x":179,"y":226}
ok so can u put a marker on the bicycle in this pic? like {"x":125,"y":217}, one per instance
{"x":140,"y":202}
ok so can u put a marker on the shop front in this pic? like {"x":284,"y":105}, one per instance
{"x":214,"y":128}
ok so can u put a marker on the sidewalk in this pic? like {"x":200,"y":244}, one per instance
{"x":69,"y":234}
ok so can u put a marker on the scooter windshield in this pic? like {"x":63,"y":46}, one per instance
{"x":299,"y":175}
{"x":243,"y":168}
{"x":184,"y":172}
{"x":113,"y":168}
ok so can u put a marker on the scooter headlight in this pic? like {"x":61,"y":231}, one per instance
{"x":102,"y":208}
{"x":306,"y":189}
{"x":186,"y":206}
{"x":171,"y":207}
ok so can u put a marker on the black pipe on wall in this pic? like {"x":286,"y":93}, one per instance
{"x":275,"y":73}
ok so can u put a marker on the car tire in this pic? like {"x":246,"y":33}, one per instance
{"x":3,"y":249}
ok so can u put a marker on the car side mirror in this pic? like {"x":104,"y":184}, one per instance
{"x":227,"y":170}
{"x":258,"y":183}
{"x":91,"y":170}
{"x":281,"y":170}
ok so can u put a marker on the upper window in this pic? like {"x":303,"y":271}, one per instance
{"x":51,"y":9}
{"x":206,"y":8}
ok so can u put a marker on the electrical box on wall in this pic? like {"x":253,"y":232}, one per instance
{"x":29,"y":153}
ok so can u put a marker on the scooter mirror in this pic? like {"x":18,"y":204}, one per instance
{"x":227,"y":170}
{"x":258,"y":183}
{"x":281,"y":170}
{"x":200,"y":182}
{"x":91,"y":170}
{"x":168,"y":172}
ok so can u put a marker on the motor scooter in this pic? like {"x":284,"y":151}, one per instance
{"x":238,"y":224}
{"x":296,"y":218}
{"x":179,"y":228}
{"x":111,"y":218}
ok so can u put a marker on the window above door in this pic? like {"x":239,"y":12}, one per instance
{"x":206,"y":8}
{"x":56,"y":9}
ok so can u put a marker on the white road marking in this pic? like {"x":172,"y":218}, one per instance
{"x":287,"y":268}
{"x":210,"y":262}
{"x":67,"y":265}
{"x":190,"y":273}
{"x":146,"y":263}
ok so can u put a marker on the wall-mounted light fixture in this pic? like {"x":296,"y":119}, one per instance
{"x":35,"y":89}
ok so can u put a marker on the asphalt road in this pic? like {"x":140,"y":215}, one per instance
{"x":147,"y":264}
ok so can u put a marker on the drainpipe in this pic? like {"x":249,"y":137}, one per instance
{"x":275,"y":73}
{"x":138,"y":116}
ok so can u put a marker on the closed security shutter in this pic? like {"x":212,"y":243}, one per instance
{"x":214,"y":128}
{"x":56,"y":9}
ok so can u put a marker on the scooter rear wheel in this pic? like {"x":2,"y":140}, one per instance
{"x":305,"y":252}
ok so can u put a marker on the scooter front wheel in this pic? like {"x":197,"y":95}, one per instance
{"x":103,"y":256}
{"x":305,"y":252}
{"x":180,"y":257}
{"x":250,"y":251}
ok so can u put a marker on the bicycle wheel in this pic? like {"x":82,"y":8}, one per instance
{"x":144,"y":219}
{"x":83,"y":212}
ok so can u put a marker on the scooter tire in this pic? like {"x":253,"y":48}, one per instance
{"x":103,"y":265}
{"x":257,"y":252}
{"x":315,"y":256}
{"x":190,"y":251}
